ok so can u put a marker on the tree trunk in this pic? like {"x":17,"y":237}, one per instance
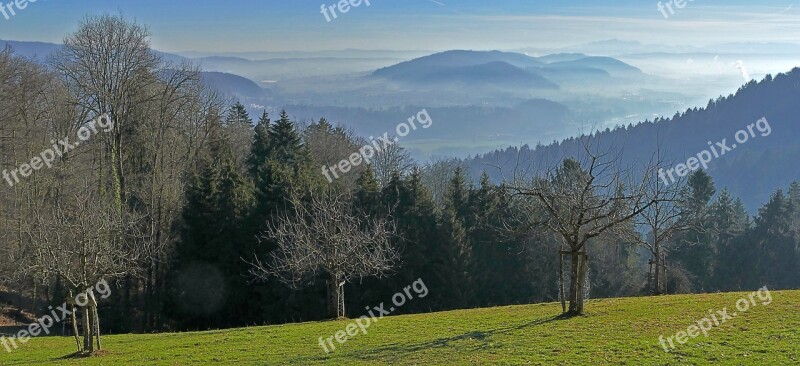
{"x":335,"y":297}
{"x":561,"y":295}
{"x":577,"y":279}
{"x":573,"y":283}
{"x":74,"y":319}
{"x":658,"y":271}
{"x":87,"y":331}
{"x":583,"y":269}
{"x":95,"y":318}
{"x":97,"y":328}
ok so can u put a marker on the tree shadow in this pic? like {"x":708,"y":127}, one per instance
{"x":481,"y":336}
{"x":79,"y":355}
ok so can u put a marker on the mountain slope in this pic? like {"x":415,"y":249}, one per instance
{"x":752,"y":171}
{"x":458,"y":58}
{"x":234,"y":85}
{"x":41,"y":50}
{"x":506,"y":68}
{"x":493,"y":73}
{"x":607,"y":64}
{"x":614,"y":332}
{"x":226,"y":83}
{"x":35,"y":50}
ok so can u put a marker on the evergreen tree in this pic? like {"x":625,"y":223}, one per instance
{"x":238,"y":116}
{"x":259,"y":152}
{"x":727,"y":224}
{"x":286,"y":144}
{"x":498,"y":266}
{"x":776,"y":240}
{"x":695,"y":248}
{"x":207,"y":285}
{"x":452,"y":253}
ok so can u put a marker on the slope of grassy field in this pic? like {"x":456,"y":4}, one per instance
{"x":613,"y":332}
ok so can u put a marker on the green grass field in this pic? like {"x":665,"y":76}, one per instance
{"x":613,"y":332}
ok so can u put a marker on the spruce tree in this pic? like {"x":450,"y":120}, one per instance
{"x":259,"y":152}
{"x":696,"y":248}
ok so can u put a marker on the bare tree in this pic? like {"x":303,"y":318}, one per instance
{"x":108,"y":67}
{"x":324,"y":237}
{"x":437,"y":174}
{"x":581,"y":200}
{"x":390,"y":159}
{"x":158,"y":110}
{"x":655,"y":226}
{"x":77,"y":241}
{"x":329,"y":145}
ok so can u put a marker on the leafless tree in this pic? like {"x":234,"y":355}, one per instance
{"x":655,"y":226}
{"x":77,"y":240}
{"x":108,"y":66}
{"x":329,"y":145}
{"x":437,"y":175}
{"x":159,"y":112}
{"x":581,"y":200}
{"x":391,"y":159}
{"x":324,"y":237}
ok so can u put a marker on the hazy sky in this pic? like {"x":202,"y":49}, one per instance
{"x":273,"y":25}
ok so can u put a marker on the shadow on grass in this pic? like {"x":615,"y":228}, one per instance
{"x":79,"y":355}
{"x":397,"y":351}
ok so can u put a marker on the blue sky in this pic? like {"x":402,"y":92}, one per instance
{"x":272,"y":25}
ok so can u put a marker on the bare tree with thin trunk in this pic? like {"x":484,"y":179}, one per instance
{"x":109,"y":68}
{"x":581,"y":200}
{"x":390,"y":159}
{"x":77,"y":241}
{"x":321,"y":236}
{"x":655,"y":226}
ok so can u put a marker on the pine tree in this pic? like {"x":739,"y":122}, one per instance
{"x":238,"y":116}
{"x":286,"y":144}
{"x":727,"y":224}
{"x":259,"y":152}
{"x":207,"y":283}
{"x":776,"y":239}
{"x":452,"y":253}
{"x":695,"y":248}
{"x":368,"y":193}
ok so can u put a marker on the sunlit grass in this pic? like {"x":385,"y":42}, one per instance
{"x":614,"y":332}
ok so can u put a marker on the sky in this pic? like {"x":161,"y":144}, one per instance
{"x":299,"y":25}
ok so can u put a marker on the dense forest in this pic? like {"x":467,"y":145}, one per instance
{"x":179,"y":205}
{"x":753,"y":171}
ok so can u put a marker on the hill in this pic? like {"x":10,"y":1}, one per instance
{"x":505,"y":68}
{"x":233,"y":85}
{"x":753,"y":171}
{"x":615,"y":331}
{"x":41,"y":50}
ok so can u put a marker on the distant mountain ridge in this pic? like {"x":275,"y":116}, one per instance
{"x":508,"y":68}
{"x":229,"y":84}
{"x":41,"y":50}
{"x":235,"y":85}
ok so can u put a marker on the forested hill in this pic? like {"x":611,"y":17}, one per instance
{"x":753,"y":170}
